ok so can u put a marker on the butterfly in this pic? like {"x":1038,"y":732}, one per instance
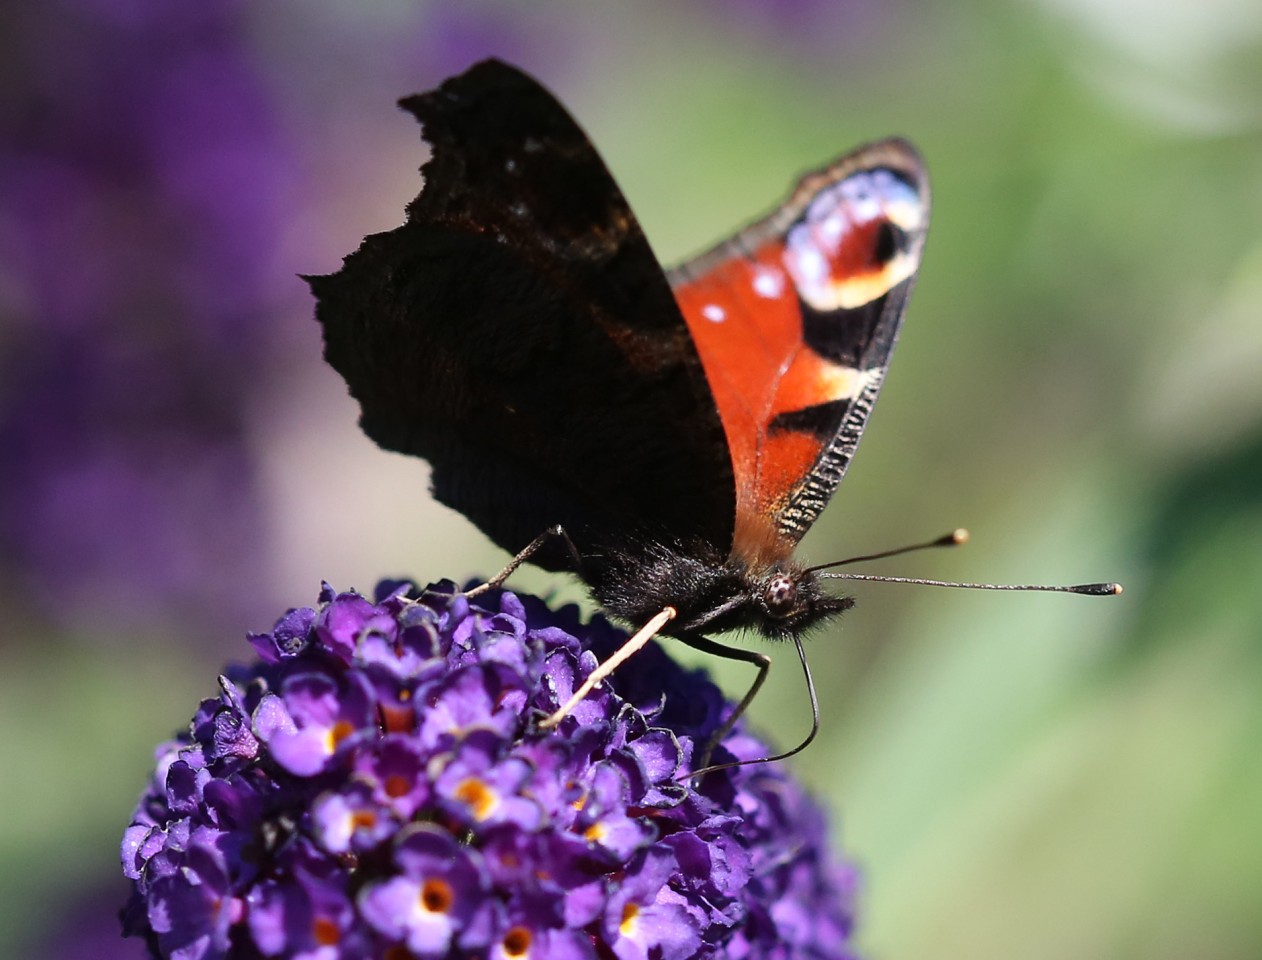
{"x":679,"y":430}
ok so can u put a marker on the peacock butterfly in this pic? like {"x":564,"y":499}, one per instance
{"x":684,"y":428}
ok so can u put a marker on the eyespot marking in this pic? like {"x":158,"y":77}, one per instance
{"x":855,"y":241}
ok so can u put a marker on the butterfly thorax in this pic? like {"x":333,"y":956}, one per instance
{"x":711,"y":593}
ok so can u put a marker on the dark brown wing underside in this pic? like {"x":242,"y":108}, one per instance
{"x":518,"y":333}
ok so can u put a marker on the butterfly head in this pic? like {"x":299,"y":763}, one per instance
{"x":778,"y":601}
{"x":790,"y":601}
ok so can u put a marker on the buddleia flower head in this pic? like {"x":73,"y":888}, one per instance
{"x":375,"y":784}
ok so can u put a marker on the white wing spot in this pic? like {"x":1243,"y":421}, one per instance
{"x":768,"y":282}
{"x":714,"y":313}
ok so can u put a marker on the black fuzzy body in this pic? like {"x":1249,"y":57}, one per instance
{"x":640,"y":577}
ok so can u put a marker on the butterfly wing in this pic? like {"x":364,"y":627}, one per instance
{"x":518,"y":333}
{"x":795,"y":319}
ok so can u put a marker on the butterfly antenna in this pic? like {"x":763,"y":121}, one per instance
{"x":956,"y":538}
{"x":1084,"y":589}
{"x":723,"y":731}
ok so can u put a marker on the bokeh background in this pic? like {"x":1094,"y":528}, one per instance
{"x":1079,"y":383}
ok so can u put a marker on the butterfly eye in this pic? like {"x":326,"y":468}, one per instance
{"x":781,"y":595}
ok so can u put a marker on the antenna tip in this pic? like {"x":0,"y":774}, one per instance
{"x":1098,"y":589}
{"x":955,"y":538}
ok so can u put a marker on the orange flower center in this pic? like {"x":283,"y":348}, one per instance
{"x":629,"y":913}
{"x":477,"y":796}
{"x":516,"y":942}
{"x":436,"y":896}
{"x":325,"y":932}
{"x":339,"y":732}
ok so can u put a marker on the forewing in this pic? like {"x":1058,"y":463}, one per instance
{"x":518,"y":333}
{"x":795,"y":319}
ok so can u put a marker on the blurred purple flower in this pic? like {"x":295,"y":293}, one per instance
{"x":147,"y":188}
{"x":330,"y":803}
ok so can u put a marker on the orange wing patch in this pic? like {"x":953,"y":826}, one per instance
{"x":758,"y":366}
{"x":787,"y":390}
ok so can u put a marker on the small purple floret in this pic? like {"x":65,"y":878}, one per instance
{"x":376,"y":786}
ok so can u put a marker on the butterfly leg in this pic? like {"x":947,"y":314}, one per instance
{"x":760,"y":660}
{"x":619,"y":657}
{"x":529,"y":551}
{"x":763,"y":663}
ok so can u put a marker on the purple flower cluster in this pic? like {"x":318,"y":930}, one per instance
{"x":376,"y":786}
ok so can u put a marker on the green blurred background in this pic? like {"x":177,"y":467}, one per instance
{"x":1079,"y":383}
